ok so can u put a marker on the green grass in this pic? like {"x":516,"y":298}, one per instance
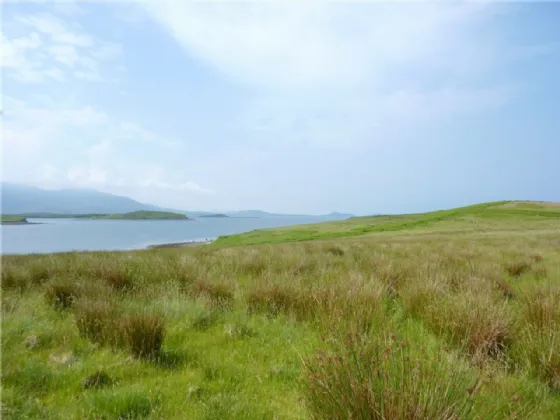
{"x":451,"y":314}
{"x":501,"y":214}
{"x":8,"y":219}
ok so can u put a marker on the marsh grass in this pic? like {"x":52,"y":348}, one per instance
{"x":118,"y":279}
{"x":99,"y":379}
{"x":95,"y":320}
{"x":143,"y":334}
{"x":62,"y":293}
{"x":413,"y":315}
{"x":384,"y":377}
{"x":220,"y":293}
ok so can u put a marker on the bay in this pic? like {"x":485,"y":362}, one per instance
{"x":62,"y":235}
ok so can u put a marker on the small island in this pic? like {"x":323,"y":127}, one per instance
{"x":13,"y":220}
{"x":21,"y":219}
{"x":142,"y":215}
{"x":217,"y":215}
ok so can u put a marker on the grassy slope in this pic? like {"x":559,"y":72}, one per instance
{"x":472,"y":218}
{"x":473,"y":292}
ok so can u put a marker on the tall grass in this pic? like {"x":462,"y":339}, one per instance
{"x":448,"y":323}
{"x":384,"y":377}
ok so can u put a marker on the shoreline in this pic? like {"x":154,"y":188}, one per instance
{"x":19,"y":223}
{"x":186,"y":244}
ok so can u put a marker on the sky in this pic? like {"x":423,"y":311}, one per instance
{"x":364,"y":107}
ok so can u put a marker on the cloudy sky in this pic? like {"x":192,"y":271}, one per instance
{"x":362,"y":107}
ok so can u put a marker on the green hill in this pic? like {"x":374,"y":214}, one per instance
{"x":480,"y":217}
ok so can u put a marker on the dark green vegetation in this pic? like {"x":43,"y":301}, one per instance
{"x":446,"y":315}
{"x":134,"y":215}
{"x":13,"y":220}
{"x":54,"y":216}
{"x":143,"y":215}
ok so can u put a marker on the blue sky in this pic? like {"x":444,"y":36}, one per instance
{"x":362,"y":107}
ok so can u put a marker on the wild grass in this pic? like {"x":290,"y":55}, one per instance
{"x":455,"y":315}
{"x":143,"y":333}
{"x":384,"y":377}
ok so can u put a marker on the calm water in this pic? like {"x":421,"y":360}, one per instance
{"x":58,"y":235}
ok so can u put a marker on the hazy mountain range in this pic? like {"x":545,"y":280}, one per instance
{"x":24,"y":199}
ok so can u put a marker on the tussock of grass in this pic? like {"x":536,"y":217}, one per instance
{"x":62,"y":293}
{"x":95,"y":320}
{"x":12,"y":279}
{"x":38,"y":274}
{"x":143,"y":333}
{"x":116,"y":278}
{"x":542,"y":307}
{"x":383,"y":377}
{"x":99,"y":379}
{"x":220,"y":293}
{"x":517,"y":268}
{"x":122,"y":404}
{"x":539,"y":352}
{"x":479,"y":323}
{"x":273,"y":299}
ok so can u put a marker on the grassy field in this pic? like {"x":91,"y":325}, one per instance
{"x":445,"y":315}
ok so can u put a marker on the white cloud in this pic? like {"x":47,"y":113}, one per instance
{"x":55,"y":51}
{"x":65,"y":54}
{"x":184,"y":186}
{"x":336,"y":75}
{"x":44,"y":23}
{"x":107,"y":51}
{"x":78,"y":40}
{"x":278,"y":45}
{"x":52,"y":146}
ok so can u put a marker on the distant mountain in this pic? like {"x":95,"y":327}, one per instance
{"x":19,"y":199}
{"x":24,"y":199}
{"x":264,"y":214}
